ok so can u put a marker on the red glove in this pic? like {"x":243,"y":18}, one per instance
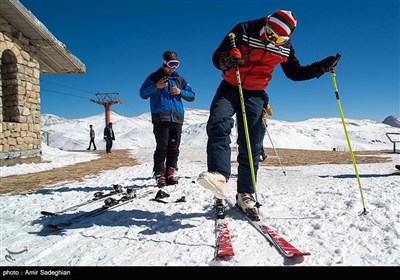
{"x":235,"y":52}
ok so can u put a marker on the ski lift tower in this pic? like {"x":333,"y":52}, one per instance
{"x":107,"y":99}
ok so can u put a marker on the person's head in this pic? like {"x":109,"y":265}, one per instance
{"x":170,"y":61}
{"x":278,"y":27}
{"x":90,"y":126}
{"x":110,"y":124}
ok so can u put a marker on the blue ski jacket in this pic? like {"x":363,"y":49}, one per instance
{"x":164,"y":106}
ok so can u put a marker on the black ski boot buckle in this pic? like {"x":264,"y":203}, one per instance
{"x":117,"y":188}
{"x":110,"y":202}
{"x":161,"y":194}
{"x":182,"y":199}
{"x":98,"y":194}
{"x":131,"y":192}
{"x":220,"y":208}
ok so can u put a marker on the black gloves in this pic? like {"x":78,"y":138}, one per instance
{"x":231,"y":59}
{"x":330,"y":62}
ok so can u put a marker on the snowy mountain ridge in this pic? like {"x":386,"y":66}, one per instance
{"x":137,"y":132}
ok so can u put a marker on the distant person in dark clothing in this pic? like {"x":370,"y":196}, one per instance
{"x":92,"y":136}
{"x":109,"y":137}
{"x":166,"y":90}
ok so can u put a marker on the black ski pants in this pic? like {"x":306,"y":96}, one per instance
{"x":168,"y":140}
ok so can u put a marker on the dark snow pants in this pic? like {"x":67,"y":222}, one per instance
{"x":109,"y":144}
{"x":168,"y":140}
{"x":92,"y":142}
{"x":225,"y":104}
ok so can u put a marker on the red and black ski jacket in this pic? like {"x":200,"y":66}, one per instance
{"x":260,"y":60}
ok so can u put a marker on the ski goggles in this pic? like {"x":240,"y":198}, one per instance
{"x":273,"y":37}
{"x":172,"y":63}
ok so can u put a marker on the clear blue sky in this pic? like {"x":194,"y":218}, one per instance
{"x":121,"y":42}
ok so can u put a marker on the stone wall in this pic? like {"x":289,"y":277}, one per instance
{"x":20,"y":99}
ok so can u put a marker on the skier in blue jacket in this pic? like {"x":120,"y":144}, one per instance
{"x":166,"y":89}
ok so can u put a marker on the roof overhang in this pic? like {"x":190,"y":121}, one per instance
{"x":53,"y":56}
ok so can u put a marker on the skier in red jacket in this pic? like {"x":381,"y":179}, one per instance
{"x":261,"y":45}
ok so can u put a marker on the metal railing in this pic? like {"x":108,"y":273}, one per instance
{"x":392,"y":140}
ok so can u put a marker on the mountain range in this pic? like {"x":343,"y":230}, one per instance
{"x":137,"y":132}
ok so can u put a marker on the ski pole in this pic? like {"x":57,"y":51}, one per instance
{"x":232,"y":37}
{"x":333,"y":75}
{"x":276,"y":153}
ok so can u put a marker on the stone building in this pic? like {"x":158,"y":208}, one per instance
{"x":27,"y":50}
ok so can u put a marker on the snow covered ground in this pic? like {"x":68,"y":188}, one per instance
{"x":316,"y":208}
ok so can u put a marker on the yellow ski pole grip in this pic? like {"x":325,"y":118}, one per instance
{"x":232,"y":38}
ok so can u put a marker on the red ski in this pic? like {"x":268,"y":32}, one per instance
{"x":283,"y":246}
{"x":223,"y":244}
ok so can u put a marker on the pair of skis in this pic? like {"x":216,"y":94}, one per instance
{"x":97,"y":196}
{"x":109,"y":203}
{"x":223,"y":244}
